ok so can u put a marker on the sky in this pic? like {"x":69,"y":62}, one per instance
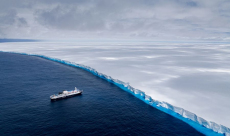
{"x":157,"y":20}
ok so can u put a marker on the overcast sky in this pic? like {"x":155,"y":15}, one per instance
{"x":116,"y":19}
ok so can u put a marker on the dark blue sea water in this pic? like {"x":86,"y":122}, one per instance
{"x":26,"y":82}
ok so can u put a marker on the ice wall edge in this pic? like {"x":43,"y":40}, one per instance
{"x":200,"y":124}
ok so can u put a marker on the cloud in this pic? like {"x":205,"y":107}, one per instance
{"x":9,"y":20}
{"x":148,"y":19}
{"x":70,"y":18}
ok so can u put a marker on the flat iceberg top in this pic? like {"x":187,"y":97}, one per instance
{"x":192,"y":76}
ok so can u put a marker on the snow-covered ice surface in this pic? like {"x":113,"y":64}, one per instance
{"x":194,"y":76}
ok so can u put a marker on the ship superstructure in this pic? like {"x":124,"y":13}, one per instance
{"x":66,"y":94}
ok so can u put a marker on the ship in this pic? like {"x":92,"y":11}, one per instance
{"x":65,"y":94}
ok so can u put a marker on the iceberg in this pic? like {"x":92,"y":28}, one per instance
{"x":200,"y":124}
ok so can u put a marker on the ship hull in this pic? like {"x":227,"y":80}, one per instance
{"x":65,"y":97}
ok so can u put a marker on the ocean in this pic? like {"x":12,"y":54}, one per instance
{"x":26,"y":82}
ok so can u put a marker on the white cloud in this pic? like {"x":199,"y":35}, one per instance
{"x":136,"y":19}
